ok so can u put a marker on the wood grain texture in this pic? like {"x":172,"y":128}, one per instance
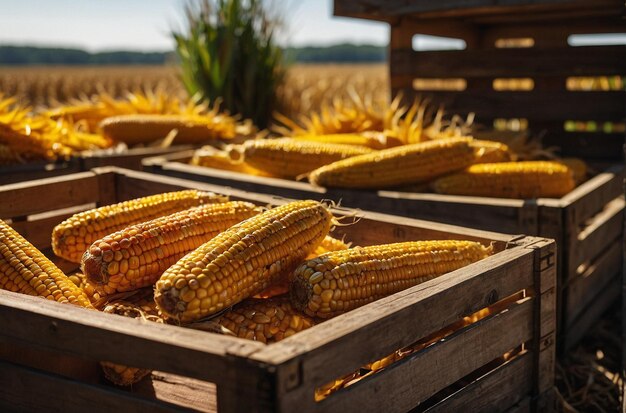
{"x":584,"y":288}
{"x":596,"y":236}
{"x":396,"y":321}
{"x":497,"y":390}
{"x":534,"y":105}
{"x":38,"y":170}
{"x":602,"y":302}
{"x":131,"y":159}
{"x":28,"y":390}
{"x":47,"y":194}
{"x":452,"y":359}
{"x":76,"y":331}
{"x":519,"y":62}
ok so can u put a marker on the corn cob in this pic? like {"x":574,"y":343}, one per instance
{"x":213,"y":158}
{"x":136,"y":256}
{"x":403,"y":165}
{"x":329,"y":244}
{"x":282,"y":286}
{"x":492,"y":152}
{"x":81,"y":281}
{"x":242,"y":260}
{"x":72,"y":237}
{"x":264,"y":320}
{"x":373,"y":140}
{"x":24,"y":269}
{"x":141,"y":129}
{"x":522,"y":180}
{"x":340,"y":281}
{"x":142,"y":306}
{"x":290,"y":158}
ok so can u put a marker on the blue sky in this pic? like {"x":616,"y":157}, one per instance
{"x":144,"y":24}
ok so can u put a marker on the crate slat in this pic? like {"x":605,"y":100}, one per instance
{"x":250,"y":376}
{"x":582,"y":290}
{"x":460,"y":358}
{"x":503,"y":384}
{"x":535,"y":105}
{"x":561,"y":61}
{"x":63,"y":395}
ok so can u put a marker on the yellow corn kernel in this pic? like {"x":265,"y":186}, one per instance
{"x":290,"y":158}
{"x":339,"y":281}
{"x":24,"y":269}
{"x":402,"y":165}
{"x":72,"y":237}
{"x":159,"y":243}
{"x":529,"y":179}
{"x":242,"y":260}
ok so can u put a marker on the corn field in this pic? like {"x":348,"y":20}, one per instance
{"x":306,"y":86}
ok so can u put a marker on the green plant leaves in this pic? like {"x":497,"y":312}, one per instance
{"x":228,"y":51}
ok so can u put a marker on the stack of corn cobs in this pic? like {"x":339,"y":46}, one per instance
{"x":358,"y":145}
{"x":199,"y":260}
{"x":140,"y":119}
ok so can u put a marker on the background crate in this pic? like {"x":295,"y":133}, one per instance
{"x":37,"y":170}
{"x":130,"y":159}
{"x":48,"y":350}
{"x":586,"y":223}
{"x":485,"y":26}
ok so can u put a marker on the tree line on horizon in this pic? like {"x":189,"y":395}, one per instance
{"x":30,"y":55}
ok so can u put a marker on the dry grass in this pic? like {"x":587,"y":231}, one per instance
{"x":305,"y":88}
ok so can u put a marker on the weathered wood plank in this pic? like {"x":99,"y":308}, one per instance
{"x":396,"y":321}
{"x":592,"y":196}
{"x":38,"y":231}
{"x":536,"y":105}
{"x":604,"y":230}
{"x":583,"y":288}
{"x":497,"y":390}
{"x":76,"y":331}
{"x":518,"y":62}
{"x":602,"y":302}
{"x":384,"y":10}
{"x":454,"y":358}
{"x":28,"y":390}
{"x":38,"y":170}
{"x":48,"y":194}
{"x":131,"y":159}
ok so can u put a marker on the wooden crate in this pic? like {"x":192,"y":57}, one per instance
{"x":48,"y":351}
{"x":37,"y":170}
{"x":586,"y":223}
{"x":549,"y":62}
{"x":130,"y":159}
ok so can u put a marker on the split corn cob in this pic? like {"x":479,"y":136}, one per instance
{"x":291,"y":158}
{"x":340,"y":281}
{"x":213,"y":158}
{"x":136,"y":256}
{"x":403,"y":165}
{"x":530,"y":179}
{"x":24,"y":269}
{"x":242,"y":260}
{"x":264,"y":320}
{"x":139,"y":129}
{"x":72,"y":237}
